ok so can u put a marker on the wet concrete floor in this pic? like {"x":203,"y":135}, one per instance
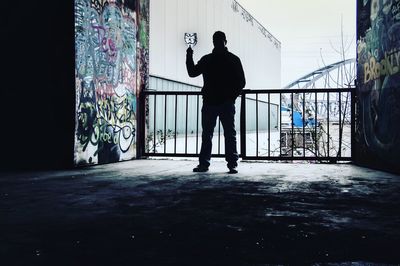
{"x":158,"y":212}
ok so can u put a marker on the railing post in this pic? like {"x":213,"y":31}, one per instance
{"x":353,"y":93}
{"x":243,"y":125}
{"x":141,"y":125}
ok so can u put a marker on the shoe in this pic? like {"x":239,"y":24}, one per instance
{"x":233,"y":170}
{"x":200,"y":168}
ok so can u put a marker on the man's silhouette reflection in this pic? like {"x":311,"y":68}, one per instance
{"x":223,"y":82}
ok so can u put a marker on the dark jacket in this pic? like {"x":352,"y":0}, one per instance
{"x":222,"y":74}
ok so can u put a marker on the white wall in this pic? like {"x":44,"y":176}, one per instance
{"x":170,"y":19}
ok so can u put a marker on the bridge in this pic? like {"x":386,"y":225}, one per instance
{"x":341,"y":74}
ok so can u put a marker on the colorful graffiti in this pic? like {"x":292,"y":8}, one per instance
{"x":143,"y":56}
{"x":378,"y":92}
{"x":108,"y":78}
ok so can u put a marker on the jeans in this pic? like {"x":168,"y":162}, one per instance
{"x":226,"y":112}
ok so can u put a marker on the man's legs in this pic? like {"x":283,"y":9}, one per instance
{"x":227,"y":116}
{"x":208,"y":121}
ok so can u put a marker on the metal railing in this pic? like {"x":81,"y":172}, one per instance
{"x":280,"y":124}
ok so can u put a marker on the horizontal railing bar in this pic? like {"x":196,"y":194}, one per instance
{"x":253,"y":158}
{"x":248,"y":91}
{"x":277,"y":158}
{"x":172,"y":92}
{"x":316,"y":90}
{"x":149,"y":154}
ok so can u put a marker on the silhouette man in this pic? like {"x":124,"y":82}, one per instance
{"x":223,"y":82}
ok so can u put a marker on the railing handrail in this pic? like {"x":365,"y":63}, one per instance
{"x":313,"y":90}
{"x":155,"y":92}
{"x":254,"y":91}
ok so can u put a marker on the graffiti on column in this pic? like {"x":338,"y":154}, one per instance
{"x":106,"y":80}
{"x":144,"y":44}
{"x":378,"y":93}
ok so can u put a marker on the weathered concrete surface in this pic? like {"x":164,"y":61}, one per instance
{"x":157,"y":212}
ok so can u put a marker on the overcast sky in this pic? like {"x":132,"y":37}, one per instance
{"x":306,"y":28}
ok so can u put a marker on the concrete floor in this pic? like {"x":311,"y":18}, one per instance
{"x":157,"y":212}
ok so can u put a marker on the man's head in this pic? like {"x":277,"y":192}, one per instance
{"x":219,"y":39}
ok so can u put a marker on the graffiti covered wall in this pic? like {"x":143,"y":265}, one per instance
{"x":377,"y":127}
{"x":111,"y":61}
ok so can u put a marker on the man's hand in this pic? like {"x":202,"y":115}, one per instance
{"x":189,"y":52}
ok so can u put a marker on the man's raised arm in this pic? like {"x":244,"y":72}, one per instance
{"x":192,"y":69}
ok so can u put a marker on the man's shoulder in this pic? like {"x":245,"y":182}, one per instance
{"x":234,"y":58}
{"x":232,"y":55}
{"x":229,"y":54}
{"x":205,"y":57}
